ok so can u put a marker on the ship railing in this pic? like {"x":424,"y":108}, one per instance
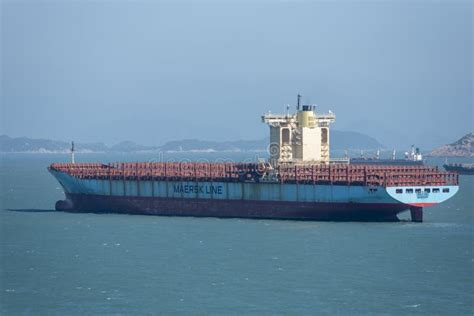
{"x":339,"y":161}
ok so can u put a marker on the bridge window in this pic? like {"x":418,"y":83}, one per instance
{"x":399,"y":191}
{"x":446,"y":190}
{"x":427,"y":190}
{"x":324,"y":136}
{"x":409,"y":190}
{"x":417,"y":190}
{"x":285,"y":136}
{"x":436,"y":190}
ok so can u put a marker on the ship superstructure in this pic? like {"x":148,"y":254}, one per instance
{"x":299,"y":181}
{"x":299,"y":137}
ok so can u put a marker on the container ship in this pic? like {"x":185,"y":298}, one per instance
{"x":413,"y":158}
{"x":298,"y":181}
{"x":461,"y":168}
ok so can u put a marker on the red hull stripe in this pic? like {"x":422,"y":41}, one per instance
{"x":422,"y":204}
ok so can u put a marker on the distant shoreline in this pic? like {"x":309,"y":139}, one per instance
{"x":462,"y":148}
{"x":341,"y":140}
{"x":40,"y":152}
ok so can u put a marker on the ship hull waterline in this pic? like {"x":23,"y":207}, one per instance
{"x":232,"y":208}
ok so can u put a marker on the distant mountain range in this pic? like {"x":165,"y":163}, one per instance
{"x":340,"y":140}
{"x":464,"y":147}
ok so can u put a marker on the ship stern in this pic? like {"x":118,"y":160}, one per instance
{"x":419,"y":197}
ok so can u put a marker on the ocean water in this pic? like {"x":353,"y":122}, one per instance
{"x":55,"y":263}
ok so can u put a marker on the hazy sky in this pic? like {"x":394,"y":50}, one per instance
{"x":154,"y":71}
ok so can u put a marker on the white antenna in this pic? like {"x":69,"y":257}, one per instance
{"x":72,"y":152}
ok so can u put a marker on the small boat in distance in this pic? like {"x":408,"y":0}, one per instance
{"x":414,"y":158}
{"x":460,"y":168}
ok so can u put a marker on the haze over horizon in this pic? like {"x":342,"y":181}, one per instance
{"x":150,"y":72}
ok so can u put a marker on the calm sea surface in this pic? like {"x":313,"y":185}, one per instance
{"x":65,"y":264}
